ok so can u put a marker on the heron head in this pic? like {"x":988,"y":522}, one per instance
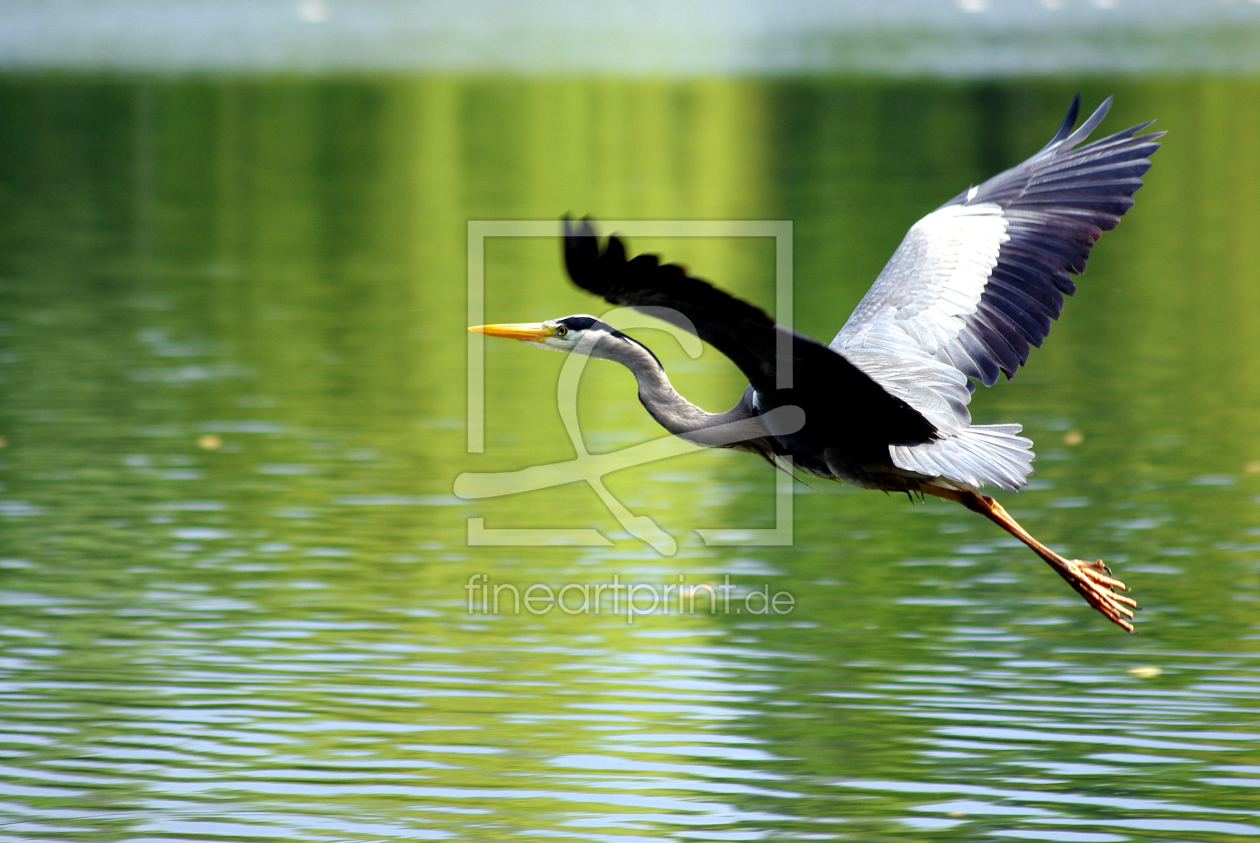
{"x":571,"y":333}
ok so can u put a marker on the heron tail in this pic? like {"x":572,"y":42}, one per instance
{"x":979,"y":455}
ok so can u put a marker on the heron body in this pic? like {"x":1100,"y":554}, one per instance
{"x":972,"y":288}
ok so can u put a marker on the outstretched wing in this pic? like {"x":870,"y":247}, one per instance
{"x":832,"y":391}
{"x":977,"y":282}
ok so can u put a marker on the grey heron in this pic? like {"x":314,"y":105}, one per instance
{"x":972,"y":287}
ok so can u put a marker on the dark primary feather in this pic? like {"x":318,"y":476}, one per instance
{"x":838,"y":399}
{"x":1057,"y":204}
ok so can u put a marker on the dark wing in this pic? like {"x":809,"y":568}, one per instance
{"x":833,"y":392}
{"x":977,"y":282}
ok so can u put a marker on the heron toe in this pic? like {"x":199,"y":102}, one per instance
{"x":1098,"y":589}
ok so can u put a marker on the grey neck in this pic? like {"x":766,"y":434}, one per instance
{"x":673,"y":412}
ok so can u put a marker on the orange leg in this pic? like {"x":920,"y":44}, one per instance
{"x":1092,"y":580}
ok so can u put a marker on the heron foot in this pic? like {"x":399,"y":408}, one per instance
{"x":1093,"y":581}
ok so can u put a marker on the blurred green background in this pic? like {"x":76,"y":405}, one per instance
{"x":233,"y":406}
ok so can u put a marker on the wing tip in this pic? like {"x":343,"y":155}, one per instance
{"x":581,"y":250}
{"x":1088,"y":126}
{"x":1066,"y":137}
{"x":1065,"y":128}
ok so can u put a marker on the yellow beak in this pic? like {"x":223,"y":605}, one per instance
{"x":530,"y":332}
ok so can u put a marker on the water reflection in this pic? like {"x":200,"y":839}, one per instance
{"x":233,"y":573}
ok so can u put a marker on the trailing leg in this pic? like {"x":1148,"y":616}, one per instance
{"x":1092,"y":580}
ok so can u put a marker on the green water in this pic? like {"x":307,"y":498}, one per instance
{"x":233,"y":402}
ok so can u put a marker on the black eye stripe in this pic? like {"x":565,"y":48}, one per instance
{"x":579,"y":323}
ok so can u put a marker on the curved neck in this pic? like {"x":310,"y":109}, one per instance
{"x":673,"y":412}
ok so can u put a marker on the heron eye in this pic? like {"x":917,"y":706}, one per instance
{"x":561,"y":330}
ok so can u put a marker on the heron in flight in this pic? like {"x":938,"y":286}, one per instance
{"x":972,"y":287}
